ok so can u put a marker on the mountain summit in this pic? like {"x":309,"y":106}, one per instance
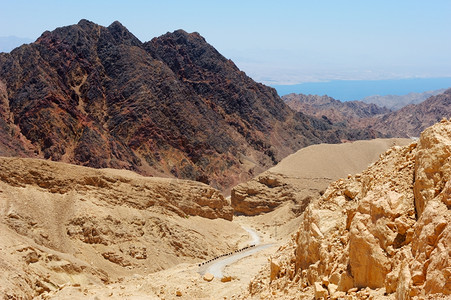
{"x":97,"y":96}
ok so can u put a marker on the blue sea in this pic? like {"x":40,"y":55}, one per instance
{"x":347,"y":90}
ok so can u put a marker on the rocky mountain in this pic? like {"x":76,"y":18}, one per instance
{"x":408,"y":121}
{"x":384,"y":233}
{"x":97,"y":96}
{"x":328,"y":108}
{"x":396,"y":102}
{"x":412,"y":119}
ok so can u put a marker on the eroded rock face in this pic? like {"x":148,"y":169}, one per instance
{"x":65,"y":224}
{"x":180,"y":196}
{"x":384,"y":229}
{"x":262,"y":195}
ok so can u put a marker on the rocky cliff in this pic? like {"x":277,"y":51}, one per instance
{"x":97,"y":96}
{"x":383,"y":233}
{"x":66,"y":225}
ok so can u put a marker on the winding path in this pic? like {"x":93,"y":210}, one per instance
{"x":218,"y":266}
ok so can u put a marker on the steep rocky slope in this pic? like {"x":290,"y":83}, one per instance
{"x":350,"y":112}
{"x":70,"y":225}
{"x":306,"y":174}
{"x":411,"y":120}
{"x":383,"y":233}
{"x":99,"y":97}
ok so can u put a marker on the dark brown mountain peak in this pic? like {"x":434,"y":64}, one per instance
{"x":180,"y":49}
{"x":98,"y":97}
{"x":121,"y":34}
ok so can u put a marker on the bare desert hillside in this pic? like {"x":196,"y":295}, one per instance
{"x":382,"y":234}
{"x":306,"y":174}
{"x":65,"y":224}
{"x":72,"y":232}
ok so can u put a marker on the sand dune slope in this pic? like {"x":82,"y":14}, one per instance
{"x":306,"y":174}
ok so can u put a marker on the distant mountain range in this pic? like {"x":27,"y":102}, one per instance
{"x":395,"y":102}
{"x":174,"y":106}
{"x":408,"y":121}
{"x":328,"y":108}
{"x":412,"y":119}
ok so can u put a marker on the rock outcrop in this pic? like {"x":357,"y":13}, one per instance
{"x":385,"y":230}
{"x":65,"y":225}
{"x":97,"y":96}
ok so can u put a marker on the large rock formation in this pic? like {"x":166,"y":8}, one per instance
{"x":385,"y":230}
{"x":99,"y":97}
{"x":306,"y":174}
{"x":64,"y":225}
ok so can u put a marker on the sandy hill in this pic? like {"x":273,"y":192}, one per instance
{"x":63,"y":224}
{"x":383,"y":233}
{"x":306,"y":174}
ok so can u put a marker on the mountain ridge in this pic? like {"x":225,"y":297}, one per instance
{"x":409,"y":121}
{"x":97,"y":96}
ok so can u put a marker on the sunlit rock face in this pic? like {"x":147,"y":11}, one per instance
{"x":385,"y":230}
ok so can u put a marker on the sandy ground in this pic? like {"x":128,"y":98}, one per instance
{"x":335,"y":160}
{"x":35,"y":241}
{"x":187,"y":279}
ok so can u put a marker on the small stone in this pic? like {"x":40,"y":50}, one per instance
{"x":226,"y":279}
{"x":319,"y":290}
{"x":332,"y":288}
{"x":178,"y":294}
{"x":208,"y":277}
{"x":32,"y":257}
{"x":418,"y":278}
{"x":338,"y":295}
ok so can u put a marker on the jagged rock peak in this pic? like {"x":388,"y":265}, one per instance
{"x":121,"y":33}
{"x":86,"y":23}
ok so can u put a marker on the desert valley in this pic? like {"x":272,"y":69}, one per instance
{"x":160,"y":170}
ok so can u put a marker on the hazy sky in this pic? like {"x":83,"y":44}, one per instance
{"x":275,"y":41}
